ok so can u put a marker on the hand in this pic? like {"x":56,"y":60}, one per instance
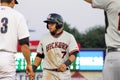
{"x":29,"y":72}
{"x":62,"y":68}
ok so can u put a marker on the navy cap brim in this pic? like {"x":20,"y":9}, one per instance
{"x":47,"y":21}
{"x":16,"y":2}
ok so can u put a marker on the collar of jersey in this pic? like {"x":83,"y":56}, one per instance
{"x":6,"y":7}
{"x":58,"y":35}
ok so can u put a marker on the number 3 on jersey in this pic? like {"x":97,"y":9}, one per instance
{"x":3,"y":26}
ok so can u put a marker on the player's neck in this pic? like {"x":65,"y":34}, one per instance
{"x":59,"y":32}
{"x":5,"y":4}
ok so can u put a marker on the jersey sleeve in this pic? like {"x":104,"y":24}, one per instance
{"x":23,"y":31}
{"x":73,"y":45}
{"x":40,"y":48}
{"x":102,"y":4}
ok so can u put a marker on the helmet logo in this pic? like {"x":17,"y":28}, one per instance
{"x":49,"y":17}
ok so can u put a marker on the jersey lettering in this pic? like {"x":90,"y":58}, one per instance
{"x":119,"y":22}
{"x":4,"y":22}
{"x":56,"y":45}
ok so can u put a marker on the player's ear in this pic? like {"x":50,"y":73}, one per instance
{"x":12,"y":4}
{"x":12,"y":1}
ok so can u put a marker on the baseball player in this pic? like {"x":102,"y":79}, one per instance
{"x":111,"y":70}
{"x":58,"y":50}
{"x":13,"y":28}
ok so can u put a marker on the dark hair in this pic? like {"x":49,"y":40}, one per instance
{"x":7,"y":1}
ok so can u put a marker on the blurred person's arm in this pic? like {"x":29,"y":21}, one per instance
{"x":26,"y":53}
{"x":89,"y":1}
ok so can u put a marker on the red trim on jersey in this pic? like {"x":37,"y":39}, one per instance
{"x":74,"y":51}
{"x":79,"y":46}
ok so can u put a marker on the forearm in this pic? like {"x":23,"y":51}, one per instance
{"x":26,"y":52}
{"x":71,"y":58}
{"x":37,"y":61}
{"x":68,"y":62}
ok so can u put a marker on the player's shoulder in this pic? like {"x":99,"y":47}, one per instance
{"x":12,"y":12}
{"x":17,"y":14}
{"x":67,"y":33}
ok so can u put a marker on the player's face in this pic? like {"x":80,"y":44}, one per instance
{"x":52,"y":27}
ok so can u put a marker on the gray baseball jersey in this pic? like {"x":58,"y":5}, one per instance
{"x":111,"y":70}
{"x":56,"y":50}
{"x":112,"y":8}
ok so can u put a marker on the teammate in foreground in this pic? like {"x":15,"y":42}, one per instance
{"x":58,"y":50}
{"x":12,"y":28}
{"x":111,"y":69}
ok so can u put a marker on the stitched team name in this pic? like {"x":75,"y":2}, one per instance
{"x":56,"y":45}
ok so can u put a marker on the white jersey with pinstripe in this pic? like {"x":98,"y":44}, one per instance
{"x":12,"y":28}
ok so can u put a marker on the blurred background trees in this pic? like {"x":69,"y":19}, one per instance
{"x":91,"y":38}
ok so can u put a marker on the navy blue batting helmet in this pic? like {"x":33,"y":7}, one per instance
{"x":55,"y":18}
